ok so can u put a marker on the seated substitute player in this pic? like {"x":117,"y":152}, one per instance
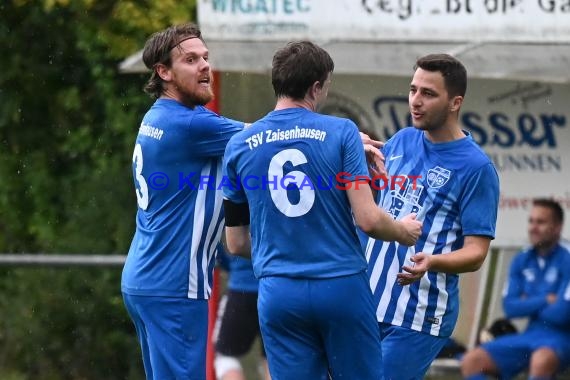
{"x":315,"y":306}
{"x":538,"y":288}
{"x":237,"y":325}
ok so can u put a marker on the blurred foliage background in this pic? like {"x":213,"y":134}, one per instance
{"x":68,"y":120}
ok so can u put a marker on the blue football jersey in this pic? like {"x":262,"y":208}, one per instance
{"x":286,"y":166}
{"x":177,"y":163}
{"x":454,"y":189}
{"x":531,"y":278}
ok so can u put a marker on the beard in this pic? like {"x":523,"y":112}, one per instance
{"x":196,"y":98}
{"x":434,"y":121}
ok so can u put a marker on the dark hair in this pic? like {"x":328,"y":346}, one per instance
{"x":557,"y":211}
{"x":297,"y":66}
{"x":157,"y":50}
{"x":453,"y":71}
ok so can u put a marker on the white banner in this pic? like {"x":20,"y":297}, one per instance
{"x":375,"y":20}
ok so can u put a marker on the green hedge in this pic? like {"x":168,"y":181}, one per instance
{"x":68,"y":120}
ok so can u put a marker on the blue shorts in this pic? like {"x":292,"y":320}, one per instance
{"x":172,"y":333}
{"x":511,"y":353}
{"x":311,"y":327}
{"x":407,"y":353}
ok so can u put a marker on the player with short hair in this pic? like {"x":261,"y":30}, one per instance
{"x":315,"y":306}
{"x":538,"y":288}
{"x":453,"y":188}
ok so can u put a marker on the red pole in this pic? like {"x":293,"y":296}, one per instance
{"x":213,"y":105}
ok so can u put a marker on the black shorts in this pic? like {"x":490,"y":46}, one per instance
{"x":237,"y":324}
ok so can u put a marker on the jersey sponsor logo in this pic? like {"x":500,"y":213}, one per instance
{"x":409,"y":198}
{"x":392,"y":157}
{"x":437,"y":177}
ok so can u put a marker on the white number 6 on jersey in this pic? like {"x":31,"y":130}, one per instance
{"x":279,"y":192}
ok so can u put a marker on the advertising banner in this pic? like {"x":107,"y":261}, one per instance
{"x":404,"y":20}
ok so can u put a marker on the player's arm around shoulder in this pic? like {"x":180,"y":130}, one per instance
{"x":211,"y":133}
{"x":375,"y":222}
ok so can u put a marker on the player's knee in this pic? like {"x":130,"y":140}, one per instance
{"x":224,"y":364}
{"x":543,"y":362}
{"x":477,"y":361}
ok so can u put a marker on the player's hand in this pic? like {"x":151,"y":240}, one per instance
{"x":367,"y":140}
{"x":410,"y":274}
{"x":412,"y":229}
{"x":374,"y":156}
{"x":551,"y":298}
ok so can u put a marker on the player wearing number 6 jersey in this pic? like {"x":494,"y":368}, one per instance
{"x":168,"y":272}
{"x":315,"y":306}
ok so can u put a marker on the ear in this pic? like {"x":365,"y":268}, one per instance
{"x":315,"y":90}
{"x":558,"y":229}
{"x":456,"y":103}
{"x":163,"y":72}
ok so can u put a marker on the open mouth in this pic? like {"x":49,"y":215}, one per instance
{"x":204,"y":81}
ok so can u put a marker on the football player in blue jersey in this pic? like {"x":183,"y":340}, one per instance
{"x":301,"y":179}
{"x":167,"y":276}
{"x":453,"y":188}
{"x":177,"y":175}
{"x":538,"y":288}
{"x":237,"y":324}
